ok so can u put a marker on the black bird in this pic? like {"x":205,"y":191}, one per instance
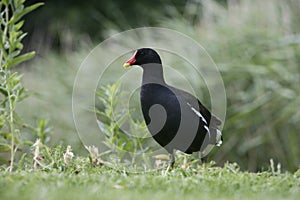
{"x":175,"y":118}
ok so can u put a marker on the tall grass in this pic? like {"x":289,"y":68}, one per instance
{"x":255,"y":45}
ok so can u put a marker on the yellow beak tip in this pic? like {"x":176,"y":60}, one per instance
{"x":126,"y":65}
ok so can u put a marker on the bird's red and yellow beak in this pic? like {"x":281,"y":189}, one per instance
{"x":131,"y":61}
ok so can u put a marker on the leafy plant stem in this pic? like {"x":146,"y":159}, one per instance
{"x":11,"y":127}
{"x":12,"y":90}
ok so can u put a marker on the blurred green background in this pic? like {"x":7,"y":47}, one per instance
{"x":255,"y":44}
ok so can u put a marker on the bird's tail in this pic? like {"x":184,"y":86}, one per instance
{"x":219,"y":138}
{"x":215,"y":134}
{"x":213,"y":138}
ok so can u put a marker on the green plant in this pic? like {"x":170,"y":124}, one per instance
{"x":122,"y":147}
{"x":11,"y":88}
{"x":56,"y":158}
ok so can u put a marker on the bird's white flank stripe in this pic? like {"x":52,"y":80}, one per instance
{"x":198,"y":113}
{"x":206,"y":128}
{"x":218,"y":138}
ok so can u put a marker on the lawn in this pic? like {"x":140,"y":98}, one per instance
{"x":202,"y":182}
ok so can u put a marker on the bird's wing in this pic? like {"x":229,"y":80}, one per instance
{"x":214,"y":121}
{"x":210,"y":122}
{"x":199,"y":109}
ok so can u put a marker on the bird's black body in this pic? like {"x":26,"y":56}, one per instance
{"x":155,"y":94}
{"x":175,"y":118}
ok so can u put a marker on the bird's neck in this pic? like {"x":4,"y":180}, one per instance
{"x":153,"y":74}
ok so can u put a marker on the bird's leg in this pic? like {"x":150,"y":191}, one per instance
{"x":172,"y":160}
{"x":203,"y":161}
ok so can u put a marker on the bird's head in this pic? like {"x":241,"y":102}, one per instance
{"x":142,"y":57}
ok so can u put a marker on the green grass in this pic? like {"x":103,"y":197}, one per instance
{"x":192,"y":183}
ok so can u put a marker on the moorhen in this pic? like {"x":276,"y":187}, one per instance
{"x":175,"y":118}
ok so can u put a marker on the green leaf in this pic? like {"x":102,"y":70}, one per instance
{"x":26,"y":10}
{"x":21,"y":59}
{"x":15,"y":39}
{"x":19,"y":25}
{"x":21,"y":37}
{"x":15,"y":53}
{"x":19,"y":46}
{"x":4,"y":147}
{"x":3,"y":91}
{"x":5,"y":135}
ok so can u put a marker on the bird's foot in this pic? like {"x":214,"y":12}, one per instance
{"x":204,"y":161}
{"x":171,"y":164}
